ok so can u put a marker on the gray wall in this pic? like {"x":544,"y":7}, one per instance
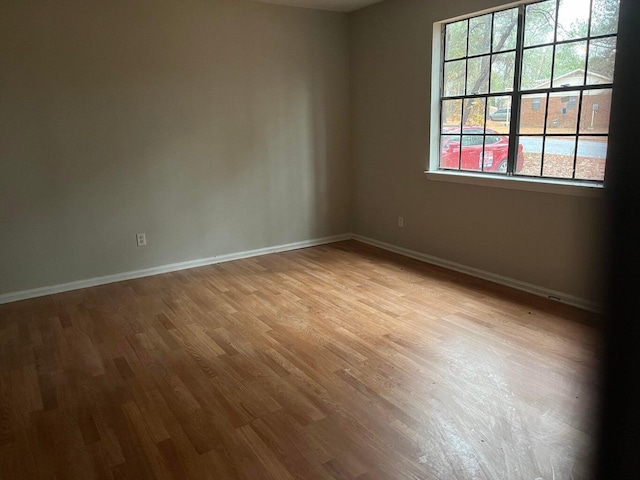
{"x":212,"y":126}
{"x":545,"y":239}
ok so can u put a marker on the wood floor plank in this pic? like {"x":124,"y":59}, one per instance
{"x":341,"y":361}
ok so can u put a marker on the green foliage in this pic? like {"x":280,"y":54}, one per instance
{"x":540,"y":21}
{"x":541,"y":25}
{"x":456,"y":40}
{"x":605,"y":17}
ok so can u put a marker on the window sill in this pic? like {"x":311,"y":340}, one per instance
{"x":559,"y":187}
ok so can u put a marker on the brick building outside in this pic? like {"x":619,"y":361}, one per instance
{"x":563,"y":107}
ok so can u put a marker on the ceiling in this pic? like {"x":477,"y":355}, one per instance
{"x":335,"y":5}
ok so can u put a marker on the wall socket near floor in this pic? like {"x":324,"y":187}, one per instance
{"x":141,"y":239}
{"x":401,"y":222}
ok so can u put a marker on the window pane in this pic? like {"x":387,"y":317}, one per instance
{"x":602,"y":56}
{"x":592,"y":154}
{"x":573,"y":19}
{"x":604,"y":17}
{"x":536,"y":68}
{"x":454,"y":77}
{"x":499,"y":113}
{"x":496,"y":152}
{"x":569,"y":64}
{"x":451,"y":110}
{"x":596,"y":109}
{"x":502,"y":67}
{"x":450,"y":151}
{"x":472,"y":152}
{"x":540,"y":22}
{"x":471,"y":140}
{"x":505,"y":30}
{"x":456,"y":40}
{"x":532,"y":152}
{"x":563,"y":112}
{"x":480,"y":35}
{"x":473,"y":113}
{"x":478,"y":75}
{"x":532,"y":109}
{"x":558,"y":157}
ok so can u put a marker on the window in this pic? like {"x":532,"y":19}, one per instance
{"x":526,"y":91}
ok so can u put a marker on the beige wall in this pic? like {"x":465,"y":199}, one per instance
{"x":212,"y":126}
{"x":548,"y":240}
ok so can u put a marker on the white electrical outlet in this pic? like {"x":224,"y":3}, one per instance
{"x":141,"y":239}
{"x":400,"y":222}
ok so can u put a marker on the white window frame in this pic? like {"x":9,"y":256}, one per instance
{"x":434,"y":173}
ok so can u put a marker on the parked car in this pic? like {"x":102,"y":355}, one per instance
{"x":493,"y":159}
{"x":501,"y":115}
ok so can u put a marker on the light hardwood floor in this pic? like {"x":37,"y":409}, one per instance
{"x":341,"y":361}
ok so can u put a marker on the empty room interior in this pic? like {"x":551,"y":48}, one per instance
{"x":305,"y":239}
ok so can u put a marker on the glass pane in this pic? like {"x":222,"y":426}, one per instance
{"x":480,"y":35}
{"x":473,"y":114}
{"x":563,"y":112}
{"x":471,"y":140}
{"x":602,"y":56}
{"x":558,"y":157}
{"x":454,"y":73}
{"x":532,"y":156}
{"x":496,"y":152}
{"x":472,"y":152}
{"x":604,"y":17}
{"x":455,"y":40}
{"x":502,"y":67}
{"x":451,"y":110}
{"x":540,"y":23}
{"x":596,"y":109}
{"x":532,"y":111}
{"x":592,"y":155}
{"x":505,"y":29}
{"x":450,"y":151}
{"x":536,"y":68}
{"x":573,"y":19}
{"x":569,"y":65}
{"x":499,"y":113}
{"x":478,"y":75}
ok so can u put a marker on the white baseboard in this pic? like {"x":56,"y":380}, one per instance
{"x":493,"y":277}
{"x":174,"y":267}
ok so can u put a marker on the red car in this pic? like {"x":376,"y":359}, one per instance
{"x":494,"y":157}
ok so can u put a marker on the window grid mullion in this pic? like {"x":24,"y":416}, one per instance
{"x":544,"y":133}
{"x":466,"y":77}
{"x":490,"y":61}
{"x":553,"y":68}
{"x":484,"y":130}
{"x":571,"y":88}
{"x":555,"y":45}
{"x":466,"y":82}
{"x":562,"y":42}
{"x":516,"y":95}
{"x":466,"y":69}
{"x":461,"y":122}
{"x":477,"y":55}
{"x":575,"y":154}
{"x":551,"y":135}
{"x":443,"y":51}
{"x":586,"y":59}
